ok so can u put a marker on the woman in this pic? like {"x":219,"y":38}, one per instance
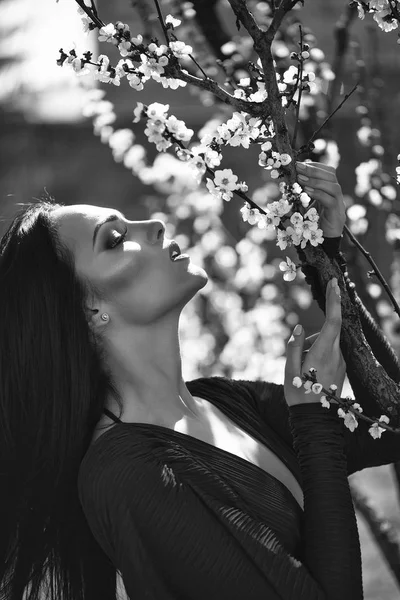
{"x":197,"y":492}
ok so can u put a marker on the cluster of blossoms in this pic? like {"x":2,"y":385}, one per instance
{"x":348,"y":409}
{"x":162,"y":130}
{"x":382,"y":12}
{"x":302,"y":229}
{"x":153,"y":59}
{"x":142,"y":62}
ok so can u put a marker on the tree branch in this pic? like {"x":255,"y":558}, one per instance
{"x":375,"y":269}
{"x":256,"y":109}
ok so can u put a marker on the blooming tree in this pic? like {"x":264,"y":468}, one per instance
{"x":267,"y":84}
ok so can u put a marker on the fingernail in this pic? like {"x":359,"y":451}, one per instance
{"x":300,"y":166}
{"x":298,"y":329}
{"x":303,"y":178}
{"x":334,"y":281}
{"x":308,"y":189}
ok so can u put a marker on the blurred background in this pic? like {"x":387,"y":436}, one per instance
{"x":238,"y":325}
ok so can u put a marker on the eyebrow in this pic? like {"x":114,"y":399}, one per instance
{"x":112,"y":217}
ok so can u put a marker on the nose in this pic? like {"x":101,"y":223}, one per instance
{"x":156,"y":231}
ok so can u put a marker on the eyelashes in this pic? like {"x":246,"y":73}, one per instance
{"x":119,"y":240}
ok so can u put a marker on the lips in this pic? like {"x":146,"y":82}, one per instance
{"x":174,"y":250}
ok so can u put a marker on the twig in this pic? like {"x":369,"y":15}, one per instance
{"x":161,"y":19}
{"x":284,"y":7}
{"x":199,"y":67}
{"x":306,"y":146}
{"x":374,"y":267}
{"x":91,"y":14}
{"x":300,"y":80}
{"x":256,"y":109}
{"x":342,"y":28}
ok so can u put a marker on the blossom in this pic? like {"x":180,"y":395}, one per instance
{"x":325,"y":402}
{"x":212,"y":158}
{"x":106,"y":33}
{"x":271,"y":220}
{"x":297,"y":382}
{"x":135,"y":82}
{"x":384,"y":21}
{"x":251,"y":215}
{"x":283,"y":239}
{"x":151,"y":67}
{"x":297,"y":219}
{"x":314,"y":236}
{"x":124,"y":47}
{"x":289,"y":270}
{"x":280,"y":207}
{"x":223,"y":185}
{"x":179,"y":129}
{"x":305,"y":199}
{"x":169,"y":19}
{"x":308,"y":387}
{"x":290,"y":75}
{"x":198,"y":166}
{"x":266,"y":146}
{"x":376,"y":431}
{"x":350,"y":420}
{"x":138,"y":112}
{"x":225,"y":178}
{"x":312,"y":215}
{"x":316,"y":388}
{"x":157,"y":111}
{"x":285,"y":159}
{"x":180,"y":49}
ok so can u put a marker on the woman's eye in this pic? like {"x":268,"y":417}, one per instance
{"x":118,"y":240}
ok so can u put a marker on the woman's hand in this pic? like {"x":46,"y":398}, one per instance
{"x":324,"y":355}
{"x":321,"y":184}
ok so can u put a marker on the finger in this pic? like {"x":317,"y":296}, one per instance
{"x":329,"y":337}
{"x":308,"y":342}
{"x":321,"y":165}
{"x":330,"y":187}
{"x":294,"y":351}
{"x":313,"y":170}
{"x":324,"y":198}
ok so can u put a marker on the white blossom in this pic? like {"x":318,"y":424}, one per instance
{"x":297,"y":382}
{"x":316,"y":388}
{"x":285,"y":159}
{"x":106,"y":33}
{"x":180,"y":49}
{"x":155,"y":110}
{"x":325,"y":402}
{"x":312,"y":215}
{"x":376,"y":431}
{"x":223,"y":185}
{"x":135,"y":82}
{"x":350,"y":420}
{"x":138,"y":112}
{"x":289,"y":271}
{"x":169,"y":19}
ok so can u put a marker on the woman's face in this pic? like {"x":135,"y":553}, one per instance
{"x":139,"y":281}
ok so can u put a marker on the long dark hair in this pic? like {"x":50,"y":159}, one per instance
{"x":53,"y":388}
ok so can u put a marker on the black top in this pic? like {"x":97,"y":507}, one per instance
{"x":182,"y":519}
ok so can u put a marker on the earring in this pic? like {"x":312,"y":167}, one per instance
{"x":105,"y":317}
